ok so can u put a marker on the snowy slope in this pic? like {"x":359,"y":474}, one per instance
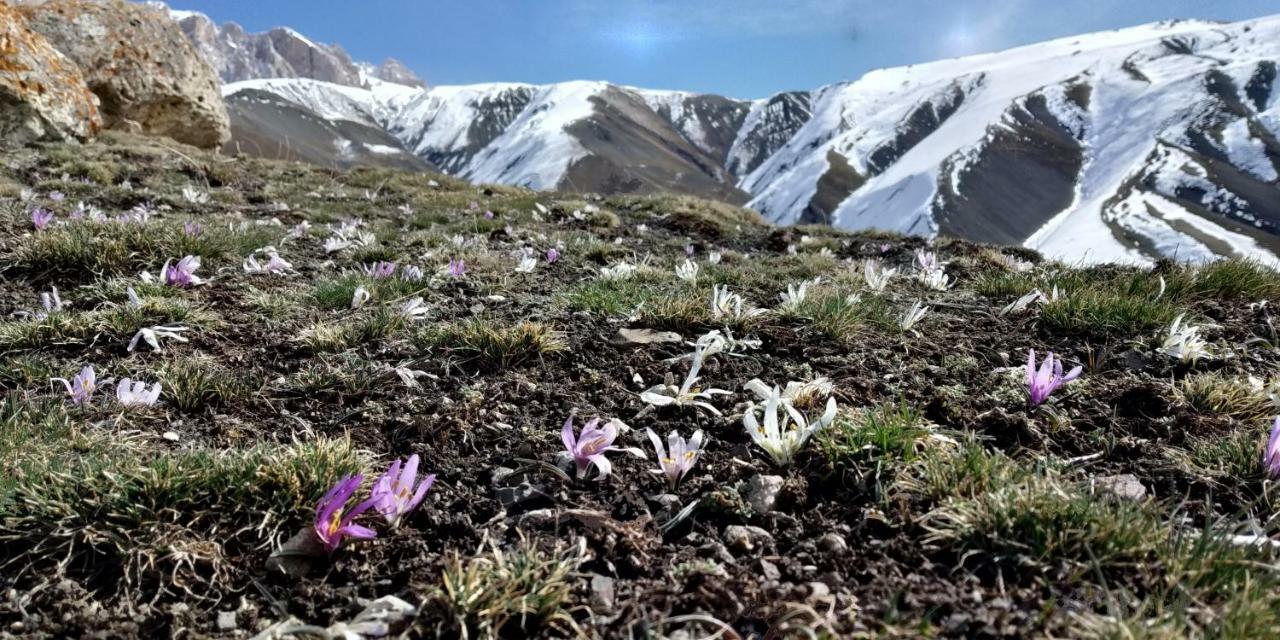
{"x":1158,"y":140}
{"x":1141,"y":85}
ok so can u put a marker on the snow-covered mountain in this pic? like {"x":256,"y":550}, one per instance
{"x":1157,"y":140}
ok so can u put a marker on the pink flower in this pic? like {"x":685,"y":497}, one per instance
{"x":552,"y":255}
{"x":380,"y":270}
{"x":678,"y":457}
{"x":457,"y":268}
{"x":589,"y":447}
{"x":41,"y":218}
{"x":1271,"y":455}
{"x":182,"y":274}
{"x":394,"y":493}
{"x":332,"y":524}
{"x":1045,"y":380}
{"x":81,"y":386}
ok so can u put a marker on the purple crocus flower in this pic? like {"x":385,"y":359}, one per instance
{"x":41,"y":218}
{"x":192,"y":229}
{"x":57,"y":196}
{"x":182,"y":274}
{"x":394,"y":492}
{"x":1271,"y":455}
{"x":380,"y":270}
{"x":1045,"y":380}
{"x":473,"y":205}
{"x":81,"y":386}
{"x":590,"y":446}
{"x":678,"y":457}
{"x":457,"y":268}
{"x":332,"y":524}
{"x":488,"y":215}
{"x":885,"y":247}
{"x":552,"y":255}
{"x":688,"y":250}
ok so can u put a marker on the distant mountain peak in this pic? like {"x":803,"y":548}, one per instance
{"x":1160,"y":140}
{"x":279,"y":52}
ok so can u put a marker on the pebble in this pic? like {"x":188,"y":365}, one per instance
{"x":833,"y":543}
{"x":762,"y":492}
{"x":645,"y":336}
{"x":602,"y":591}
{"x":1125,"y":485}
{"x":745,"y":538}
{"x":226,"y":620}
{"x":519,"y":494}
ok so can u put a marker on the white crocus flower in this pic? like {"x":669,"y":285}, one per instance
{"x":415,"y":309}
{"x":687,"y":394}
{"x":913,"y":316}
{"x":153,"y":335}
{"x":728,"y":305}
{"x":876,"y":275}
{"x":620,"y":271}
{"x":1021,"y":304}
{"x":714,"y":257}
{"x":194,"y":195}
{"x":936,"y":279}
{"x":527,"y":264}
{"x":334,"y":244}
{"x":687,"y":271}
{"x":794,"y":296}
{"x":1185,"y":343}
{"x":360,"y":296}
{"x":131,"y":393}
{"x":785,"y":429}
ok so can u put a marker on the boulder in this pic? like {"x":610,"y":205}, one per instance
{"x":43,"y":96}
{"x":144,"y":71}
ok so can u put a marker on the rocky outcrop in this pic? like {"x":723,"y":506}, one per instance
{"x":392,"y":70}
{"x":237,"y":55}
{"x":145,"y":73}
{"x":43,"y":96}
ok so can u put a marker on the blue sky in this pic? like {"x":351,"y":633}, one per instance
{"x":740,"y":48}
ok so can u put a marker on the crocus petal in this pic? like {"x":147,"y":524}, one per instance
{"x":421,"y":493}
{"x":358,"y":531}
{"x":657,"y":444}
{"x":602,"y":463}
{"x":566,"y":434}
{"x":1073,"y":374}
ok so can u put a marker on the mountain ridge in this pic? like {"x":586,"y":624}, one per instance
{"x":1152,"y":141}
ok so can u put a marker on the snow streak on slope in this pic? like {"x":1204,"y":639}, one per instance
{"x":1144,"y":84}
{"x":535,"y":150}
{"x":1126,"y":145}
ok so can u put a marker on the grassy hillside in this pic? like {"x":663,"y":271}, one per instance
{"x":936,"y":500}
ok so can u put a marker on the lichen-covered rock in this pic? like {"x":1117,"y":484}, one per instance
{"x":142,"y":68}
{"x":43,"y":96}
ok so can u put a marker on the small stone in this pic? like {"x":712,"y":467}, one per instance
{"x":566,"y":462}
{"x":745,"y":538}
{"x":226,"y":620}
{"x":833,"y":543}
{"x":1125,"y":486}
{"x":818,"y":590}
{"x":645,"y":336}
{"x":538,"y":518}
{"x":602,"y":592}
{"x":769,"y":570}
{"x":519,"y":494}
{"x":762,"y":492}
